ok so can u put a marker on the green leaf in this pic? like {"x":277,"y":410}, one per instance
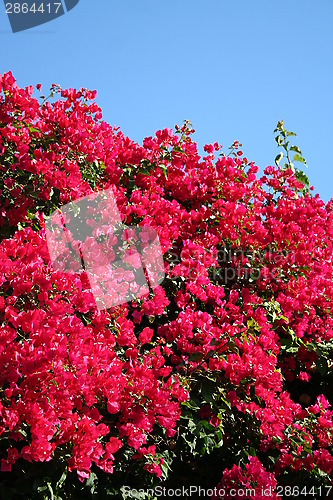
{"x":62,"y":479}
{"x":296,"y":149}
{"x":33,"y":129}
{"x":302,"y":177}
{"x":190,"y":404}
{"x":285,"y":343}
{"x":196,"y":356}
{"x":207,"y":392}
{"x":279,"y":126}
{"x":92,"y":482}
{"x":278,"y":159}
{"x":299,"y":158}
{"x":165,"y":171}
{"x":322,"y":366}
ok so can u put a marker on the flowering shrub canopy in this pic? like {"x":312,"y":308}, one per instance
{"x":221,"y":373}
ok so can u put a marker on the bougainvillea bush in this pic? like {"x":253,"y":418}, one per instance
{"x":221,"y":375}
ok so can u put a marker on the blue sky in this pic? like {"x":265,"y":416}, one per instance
{"x":233,"y":68}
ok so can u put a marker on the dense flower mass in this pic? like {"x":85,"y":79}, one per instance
{"x":227,"y":361}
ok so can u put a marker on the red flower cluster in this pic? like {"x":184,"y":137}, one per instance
{"x":254,"y":482}
{"x":247,"y":297}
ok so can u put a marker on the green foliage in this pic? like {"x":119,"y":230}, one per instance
{"x":292,"y":154}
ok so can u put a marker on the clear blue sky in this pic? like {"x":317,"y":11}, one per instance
{"x":233,"y":67}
